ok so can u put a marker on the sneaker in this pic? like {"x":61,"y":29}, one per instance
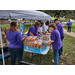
{"x":53,"y":61}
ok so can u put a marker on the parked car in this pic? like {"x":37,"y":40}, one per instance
{"x":64,"y":23}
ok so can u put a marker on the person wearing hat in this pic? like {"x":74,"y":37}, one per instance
{"x":60,"y":29}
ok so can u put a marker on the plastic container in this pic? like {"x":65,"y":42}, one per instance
{"x":31,"y":38}
{"x":45,"y":37}
{"x":46,"y":42}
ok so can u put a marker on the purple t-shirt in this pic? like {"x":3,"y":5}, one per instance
{"x":14,"y":38}
{"x":55,"y":36}
{"x":69,"y":24}
{"x":34,"y":30}
{"x":60,"y":29}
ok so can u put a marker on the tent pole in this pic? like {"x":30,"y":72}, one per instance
{"x":10,"y":17}
{"x":10,"y":20}
{"x":31,"y":22}
{"x":6,"y":25}
{"x":2,"y":47}
{"x":17,"y":21}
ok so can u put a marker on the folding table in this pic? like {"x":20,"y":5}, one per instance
{"x":44,"y":52}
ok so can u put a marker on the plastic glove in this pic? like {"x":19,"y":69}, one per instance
{"x":46,"y":42}
{"x":39,"y":34}
{"x":47,"y":33}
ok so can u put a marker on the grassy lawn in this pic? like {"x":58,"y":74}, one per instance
{"x":27,"y":25}
{"x":67,"y":58}
{"x":73,"y":27}
{"x":4,"y":25}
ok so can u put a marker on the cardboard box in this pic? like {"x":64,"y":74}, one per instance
{"x":5,"y":29}
{"x":4,"y":40}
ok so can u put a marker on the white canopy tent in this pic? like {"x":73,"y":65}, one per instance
{"x":26,"y":14}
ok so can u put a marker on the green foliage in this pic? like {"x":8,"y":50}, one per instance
{"x":55,"y":18}
{"x":69,"y":14}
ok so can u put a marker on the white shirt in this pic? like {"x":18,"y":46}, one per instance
{"x":40,"y":29}
{"x":44,"y":27}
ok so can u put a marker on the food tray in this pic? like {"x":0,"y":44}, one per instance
{"x":30,"y":38}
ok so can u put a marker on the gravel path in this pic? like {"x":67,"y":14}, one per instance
{"x":70,"y":34}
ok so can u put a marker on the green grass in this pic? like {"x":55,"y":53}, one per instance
{"x":68,"y":49}
{"x":27,"y":26}
{"x":68,"y":59}
{"x":73,"y":27}
{"x":4,"y":25}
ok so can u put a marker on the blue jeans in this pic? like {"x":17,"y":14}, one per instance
{"x":16,"y":53}
{"x":56,"y":56}
{"x":61,"y":49}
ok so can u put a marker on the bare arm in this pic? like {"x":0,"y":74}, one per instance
{"x":31,"y":34}
{"x":51,"y":41}
{"x":23,"y":38}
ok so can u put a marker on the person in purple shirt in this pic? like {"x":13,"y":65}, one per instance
{"x":55,"y":41}
{"x":60,"y":29}
{"x":69,"y":26}
{"x":33,"y":31}
{"x":15,"y":45}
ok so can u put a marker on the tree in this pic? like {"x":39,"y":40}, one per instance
{"x":69,"y":14}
